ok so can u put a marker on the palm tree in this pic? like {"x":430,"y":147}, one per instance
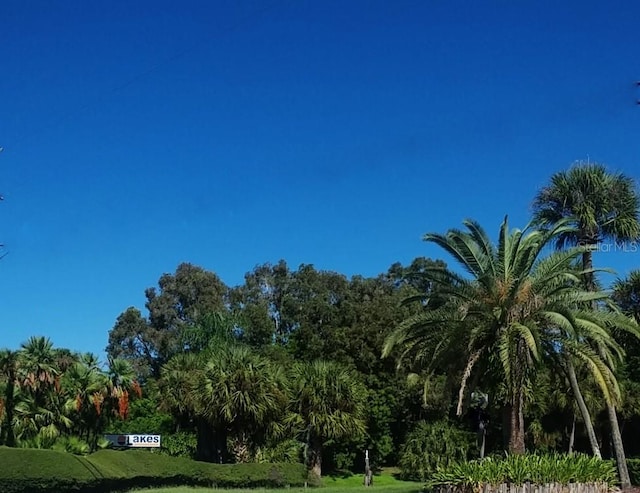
{"x":85,"y":387}
{"x":179,"y":378}
{"x":38,"y":370}
{"x":601,"y":206}
{"x":328,"y":403}
{"x":243,"y":392}
{"x":8,"y":373}
{"x":121,"y":382}
{"x":516,"y":307}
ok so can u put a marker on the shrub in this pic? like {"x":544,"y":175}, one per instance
{"x":181,"y":444}
{"x":431,"y":446}
{"x":634,"y":470}
{"x":287,"y":452}
{"x":520,"y":469}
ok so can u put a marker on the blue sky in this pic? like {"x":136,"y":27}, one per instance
{"x":138,"y":135}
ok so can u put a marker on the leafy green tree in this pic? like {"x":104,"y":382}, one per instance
{"x":210,"y":331}
{"x":328,"y":403}
{"x":602,"y":206}
{"x":515,"y":307}
{"x":181,"y":301}
{"x":263,"y":305}
{"x":318,"y":297}
{"x":134,"y":339}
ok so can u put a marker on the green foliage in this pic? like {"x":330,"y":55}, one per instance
{"x":183,"y":444}
{"x":288,"y":451}
{"x":72,"y":445}
{"x":518,"y":306}
{"x":433,"y":446}
{"x":520,"y":469}
{"x":144,"y":417}
{"x":634,"y":471}
{"x":35,"y":471}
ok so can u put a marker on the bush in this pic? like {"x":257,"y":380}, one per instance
{"x":287,"y":451}
{"x":47,"y":471}
{"x":634,"y":471}
{"x":183,"y":444}
{"x":431,"y":446}
{"x":520,"y":469}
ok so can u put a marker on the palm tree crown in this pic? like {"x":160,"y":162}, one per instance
{"x":601,"y":205}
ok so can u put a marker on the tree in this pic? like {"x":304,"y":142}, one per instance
{"x":8,"y":373}
{"x":262,"y":305}
{"x":181,"y":301}
{"x":38,"y":371}
{"x":515,"y":307}
{"x":328,"y":402}
{"x":602,"y":207}
{"x":133,"y":338}
{"x":244,"y":393}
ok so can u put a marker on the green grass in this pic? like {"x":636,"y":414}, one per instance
{"x":331,"y":484}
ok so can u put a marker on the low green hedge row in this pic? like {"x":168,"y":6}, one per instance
{"x":47,"y":471}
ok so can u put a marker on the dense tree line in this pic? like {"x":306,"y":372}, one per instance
{"x":52,"y":397}
{"x":513,"y":346}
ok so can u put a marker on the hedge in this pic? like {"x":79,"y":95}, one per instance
{"x":48,"y":471}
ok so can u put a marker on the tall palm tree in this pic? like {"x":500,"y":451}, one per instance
{"x":602,"y":206}
{"x":328,"y":403}
{"x":516,"y":307}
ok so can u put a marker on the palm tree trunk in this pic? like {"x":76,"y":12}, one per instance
{"x":572,"y":435}
{"x":206,"y":440}
{"x":618,"y":447}
{"x":616,"y":437}
{"x":315,"y":457}
{"x":586,"y":417}
{"x":516,"y":424}
{"x":7,"y":436}
{"x":483,"y":439}
{"x":241,"y":451}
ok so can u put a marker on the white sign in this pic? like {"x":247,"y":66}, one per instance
{"x":134,"y":441}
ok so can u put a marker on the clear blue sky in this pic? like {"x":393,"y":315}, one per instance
{"x":139,"y":135}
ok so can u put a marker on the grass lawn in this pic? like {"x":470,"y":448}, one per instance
{"x":331,"y":484}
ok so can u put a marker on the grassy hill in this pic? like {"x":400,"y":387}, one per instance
{"x":32,"y":471}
